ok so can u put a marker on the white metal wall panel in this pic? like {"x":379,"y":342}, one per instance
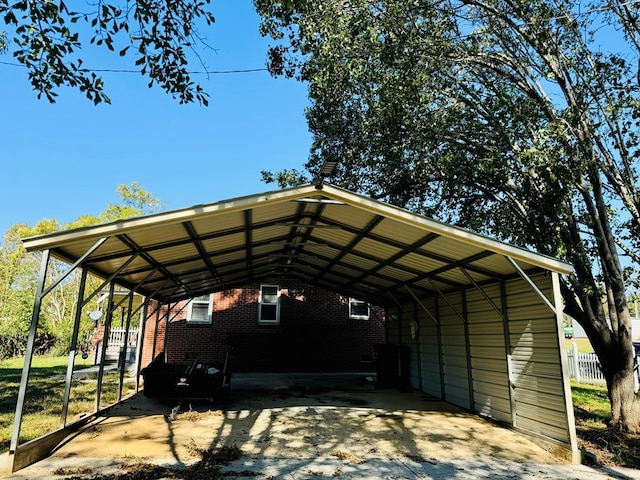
{"x":429,"y":352}
{"x":454,"y":355}
{"x":488,"y":353}
{"x":414,"y":368}
{"x":439,"y":364}
{"x":537,"y":369}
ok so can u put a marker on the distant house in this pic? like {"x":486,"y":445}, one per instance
{"x":578,"y":331}
{"x":275,"y":325}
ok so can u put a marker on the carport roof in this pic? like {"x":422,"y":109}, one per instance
{"x":329,"y":237}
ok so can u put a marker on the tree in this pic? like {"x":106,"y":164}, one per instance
{"x":499,"y":115}
{"x":19,"y":274}
{"x":164,"y":35}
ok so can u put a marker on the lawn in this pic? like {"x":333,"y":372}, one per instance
{"x":592,"y":412}
{"x":43,"y":408}
{"x":584,"y":346}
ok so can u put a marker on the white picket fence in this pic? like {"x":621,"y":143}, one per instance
{"x":584,"y":367}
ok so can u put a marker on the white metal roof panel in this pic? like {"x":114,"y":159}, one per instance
{"x":334,"y":238}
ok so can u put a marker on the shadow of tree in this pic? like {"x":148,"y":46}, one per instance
{"x":317,"y":424}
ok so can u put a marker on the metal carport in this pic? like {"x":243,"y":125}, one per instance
{"x":482,"y":319}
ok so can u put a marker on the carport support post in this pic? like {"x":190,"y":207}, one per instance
{"x":72,"y":350}
{"x":123,"y":354}
{"x":166,"y":326}
{"x":436,"y":305}
{"x":28,"y":356}
{"x":155,"y":330}
{"x":418,"y":348}
{"x":467,"y":346}
{"x":564,"y":361}
{"x":141,"y":332}
{"x":508,"y":354}
{"x":105,"y":341}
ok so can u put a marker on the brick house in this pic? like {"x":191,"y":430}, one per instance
{"x":276,"y":325}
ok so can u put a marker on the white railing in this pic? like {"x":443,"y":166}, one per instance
{"x":584,"y":367}
{"x":117,"y":338}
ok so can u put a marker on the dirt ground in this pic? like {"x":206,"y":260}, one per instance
{"x":294,"y":417}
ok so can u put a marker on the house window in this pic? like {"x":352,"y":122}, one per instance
{"x":199,"y":309}
{"x":269,"y":312}
{"x":358,"y":309}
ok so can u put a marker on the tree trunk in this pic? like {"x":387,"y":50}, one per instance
{"x":609,"y":331}
{"x":625,"y":405}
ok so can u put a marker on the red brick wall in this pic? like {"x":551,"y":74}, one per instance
{"x":315,"y":333}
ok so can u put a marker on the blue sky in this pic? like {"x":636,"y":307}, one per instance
{"x":64,"y":160}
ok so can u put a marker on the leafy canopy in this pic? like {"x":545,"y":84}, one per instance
{"x":19,"y":274}
{"x":47,"y":37}
{"x":509,"y":117}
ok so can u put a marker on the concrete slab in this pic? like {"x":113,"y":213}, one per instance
{"x":296,"y":426}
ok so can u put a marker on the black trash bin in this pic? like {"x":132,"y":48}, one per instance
{"x":392,"y":365}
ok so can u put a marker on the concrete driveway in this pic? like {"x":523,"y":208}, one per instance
{"x":295,"y":426}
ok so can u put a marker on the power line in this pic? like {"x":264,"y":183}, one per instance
{"x":120,"y":70}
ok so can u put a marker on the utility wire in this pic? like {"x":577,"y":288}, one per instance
{"x":118,"y":70}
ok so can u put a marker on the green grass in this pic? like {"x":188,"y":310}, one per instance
{"x":591,"y":402}
{"x":584,"y":346}
{"x":45,"y":390}
{"x":592,"y":414}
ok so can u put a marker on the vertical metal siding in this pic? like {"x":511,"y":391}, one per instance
{"x":430,"y":361}
{"x":488,"y":355}
{"x":537,"y":368}
{"x":440,"y":365}
{"x":454,"y":355}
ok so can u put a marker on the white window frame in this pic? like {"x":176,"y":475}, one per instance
{"x":197,"y":300}
{"x":261,"y":302}
{"x":353,"y":300}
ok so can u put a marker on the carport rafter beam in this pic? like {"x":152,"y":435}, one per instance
{"x":297,"y":247}
{"x":248,"y":241}
{"x":400,"y":246}
{"x":211,"y":256}
{"x":419,"y":275}
{"x":346,"y":285}
{"x":483,"y":293}
{"x":73,"y":266}
{"x":112,"y":277}
{"x":270,"y":271}
{"x":466,"y":262}
{"x":359,"y":235}
{"x":403,"y":253}
{"x":149,"y":259}
{"x":203,"y":237}
{"x":419,"y":302}
{"x":532,"y":284}
{"x":188,"y":226}
{"x":300,"y":262}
